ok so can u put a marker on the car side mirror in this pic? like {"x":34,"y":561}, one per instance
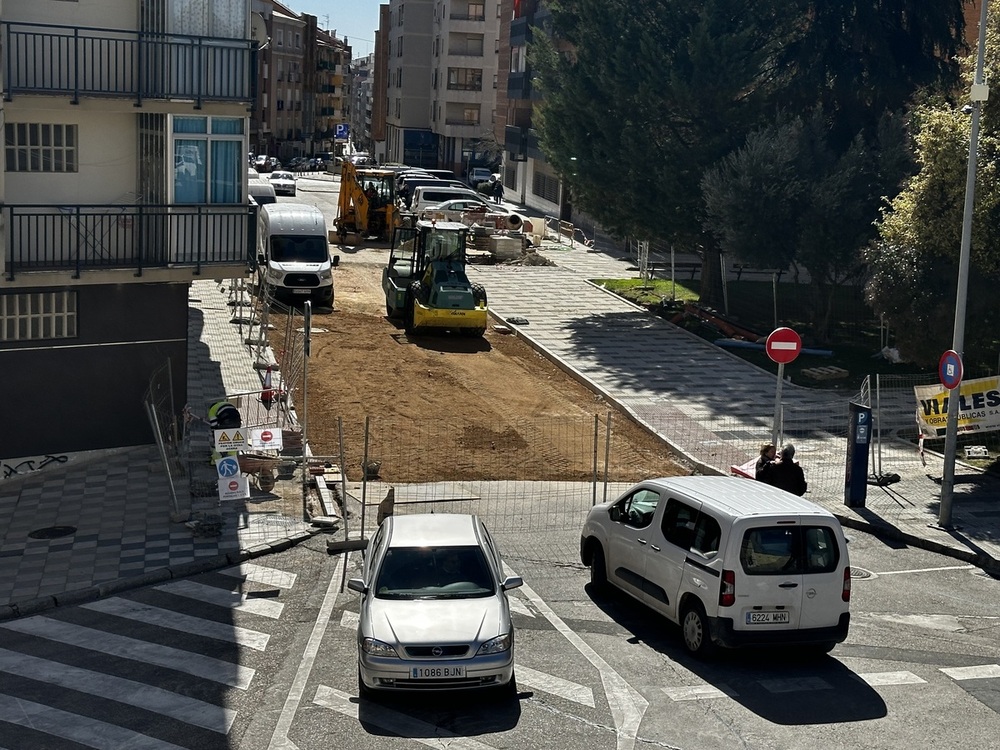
{"x":357,"y":584}
{"x":615,"y":513}
{"x":335,"y":261}
{"x":261,"y":260}
{"x":510,"y":582}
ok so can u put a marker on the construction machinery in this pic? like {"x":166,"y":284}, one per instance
{"x":367,"y":204}
{"x":425,"y":282}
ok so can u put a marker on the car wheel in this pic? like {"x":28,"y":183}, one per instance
{"x":694,"y":629}
{"x":598,"y":569}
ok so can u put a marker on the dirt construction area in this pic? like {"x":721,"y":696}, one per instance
{"x":444,"y":407}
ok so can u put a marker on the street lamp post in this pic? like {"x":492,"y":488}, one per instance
{"x":978,"y":94}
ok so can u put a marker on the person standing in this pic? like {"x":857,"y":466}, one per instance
{"x":768,"y":452}
{"x":786,"y":474}
{"x":498,"y":191}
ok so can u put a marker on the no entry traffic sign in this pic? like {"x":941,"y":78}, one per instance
{"x":783,"y":345}
{"x":950,"y":369}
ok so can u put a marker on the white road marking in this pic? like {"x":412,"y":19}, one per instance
{"x":947,"y":623}
{"x":350,"y":619}
{"x":555,"y":685}
{"x":80,"y":729}
{"x":878,"y":679}
{"x":224,"y":598}
{"x":627,"y":705}
{"x":279,"y":738}
{"x":129,"y":692}
{"x":261,"y":574}
{"x":517,"y":605}
{"x":926,"y":570}
{"x":165,"y":618}
{"x":984,"y":672}
{"x":795,"y":684}
{"x":398,"y":723}
{"x":112,"y":644}
{"x":699,"y":692}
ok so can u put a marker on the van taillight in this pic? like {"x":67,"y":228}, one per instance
{"x":727,"y":593}
{"x":846,"y":593}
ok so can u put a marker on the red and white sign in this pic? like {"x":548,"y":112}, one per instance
{"x":266,"y":438}
{"x":234,"y":488}
{"x":783,"y":345}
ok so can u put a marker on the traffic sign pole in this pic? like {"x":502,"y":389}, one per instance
{"x":776,"y":430}
{"x":782,"y":346}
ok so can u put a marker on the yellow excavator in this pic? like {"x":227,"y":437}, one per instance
{"x":367,"y":204}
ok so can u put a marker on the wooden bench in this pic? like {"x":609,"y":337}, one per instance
{"x":741,"y":268}
{"x":690,"y":267}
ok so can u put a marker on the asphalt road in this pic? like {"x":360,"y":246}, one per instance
{"x":263,"y":656}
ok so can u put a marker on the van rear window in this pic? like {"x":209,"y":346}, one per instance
{"x":781,"y":550}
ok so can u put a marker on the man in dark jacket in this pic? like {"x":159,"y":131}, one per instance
{"x":786,"y":473}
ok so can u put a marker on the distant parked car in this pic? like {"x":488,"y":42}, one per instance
{"x":283,"y":182}
{"x":479,"y":174}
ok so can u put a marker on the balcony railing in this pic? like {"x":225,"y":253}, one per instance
{"x":457,"y":121}
{"x":102,"y":237}
{"x":458,"y":16}
{"x":82,"y":61}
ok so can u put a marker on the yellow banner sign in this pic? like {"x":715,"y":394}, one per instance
{"x":978,"y":407}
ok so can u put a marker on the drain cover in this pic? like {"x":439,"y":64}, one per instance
{"x":52,"y":532}
{"x":861,"y":573}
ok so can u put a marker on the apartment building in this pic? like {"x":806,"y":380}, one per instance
{"x":123,"y":179}
{"x":409,"y":40}
{"x":464,"y":79}
{"x":304,"y":85}
{"x":526,"y":172}
{"x":362,"y":80}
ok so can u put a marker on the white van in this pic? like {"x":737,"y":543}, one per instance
{"x":431,"y":195}
{"x":261,"y":191}
{"x":293,"y":252}
{"x":735,"y":562}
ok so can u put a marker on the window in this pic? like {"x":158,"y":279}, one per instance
{"x":637,"y":509}
{"x":678,"y":523}
{"x":38,"y":315}
{"x":208,"y":167}
{"x":399,"y":47}
{"x":41,"y":147}
{"x":775,"y":550}
{"x":707,"y":534}
{"x":465,"y":79}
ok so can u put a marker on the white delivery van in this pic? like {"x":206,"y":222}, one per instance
{"x":293,"y":252}
{"x":735,"y":562}
{"x":261,"y":191}
{"x":431,"y":195}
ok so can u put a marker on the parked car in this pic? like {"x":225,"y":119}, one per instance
{"x":434,"y":613}
{"x":283,"y":182}
{"x":735,"y":562}
{"x":455,"y":209}
{"x":479,"y":174}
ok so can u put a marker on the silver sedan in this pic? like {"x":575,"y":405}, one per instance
{"x":434,"y":613}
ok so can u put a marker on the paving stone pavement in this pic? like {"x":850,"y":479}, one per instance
{"x":697,"y":396}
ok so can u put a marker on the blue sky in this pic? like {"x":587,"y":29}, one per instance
{"x":356,"y":19}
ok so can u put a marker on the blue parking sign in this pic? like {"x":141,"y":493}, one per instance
{"x":343,"y":130}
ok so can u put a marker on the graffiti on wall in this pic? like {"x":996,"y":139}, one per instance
{"x":18,"y":466}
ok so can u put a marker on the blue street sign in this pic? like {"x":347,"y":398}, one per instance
{"x":343,"y":130}
{"x":228,"y":466}
{"x":950,"y":369}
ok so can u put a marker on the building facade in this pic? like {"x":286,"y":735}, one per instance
{"x":123,"y":179}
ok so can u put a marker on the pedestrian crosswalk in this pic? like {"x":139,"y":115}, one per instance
{"x":152,"y":669}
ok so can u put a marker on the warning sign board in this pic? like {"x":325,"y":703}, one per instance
{"x":230,"y":440}
{"x":234,"y":488}
{"x":266,"y":438}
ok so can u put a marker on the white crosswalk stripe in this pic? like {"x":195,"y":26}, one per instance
{"x":93,"y":675}
{"x":223,"y":598}
{"x":165,"y":618}
{"x":554,"y":685}
{"x":983,"y":672}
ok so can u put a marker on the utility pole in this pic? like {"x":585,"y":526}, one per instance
{"x":978,"y":94}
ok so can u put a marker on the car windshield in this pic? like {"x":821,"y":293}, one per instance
{"x":299,"y":249}
{"x":282,"y":176}
{"x":434,"y":573}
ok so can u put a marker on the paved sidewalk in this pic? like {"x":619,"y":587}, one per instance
{"x":694,"y":394}
{"x":117,"y":505}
